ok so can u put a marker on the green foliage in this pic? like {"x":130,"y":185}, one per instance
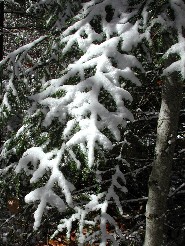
{"x":137,"y":143}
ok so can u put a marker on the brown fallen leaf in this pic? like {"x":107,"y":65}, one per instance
{"x":13,"y":205}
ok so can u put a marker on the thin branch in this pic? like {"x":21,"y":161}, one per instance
{"x":19,"y":12}
{"x":25,"y":27}
{"x":175,"y":191}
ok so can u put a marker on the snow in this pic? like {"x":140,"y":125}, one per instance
{"x":111,"y":192}
{"x":5,"y":170}
{"x":83,"y":112}
{"x":22,"y":50}
{"x":131,"y":38}
{"x":41,"y":162}
{"x":179,"y":48}
{"x":82,"y":99}
{"x":84,"y":108}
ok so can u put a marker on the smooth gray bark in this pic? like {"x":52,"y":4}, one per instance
{"x":161,"y":172}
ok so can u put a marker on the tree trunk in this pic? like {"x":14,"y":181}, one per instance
{"x":161,"y":172}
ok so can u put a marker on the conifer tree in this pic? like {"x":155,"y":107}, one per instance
{"x":70,"y":88}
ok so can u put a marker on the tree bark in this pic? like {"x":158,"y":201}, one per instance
{"x":161,"y":172}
